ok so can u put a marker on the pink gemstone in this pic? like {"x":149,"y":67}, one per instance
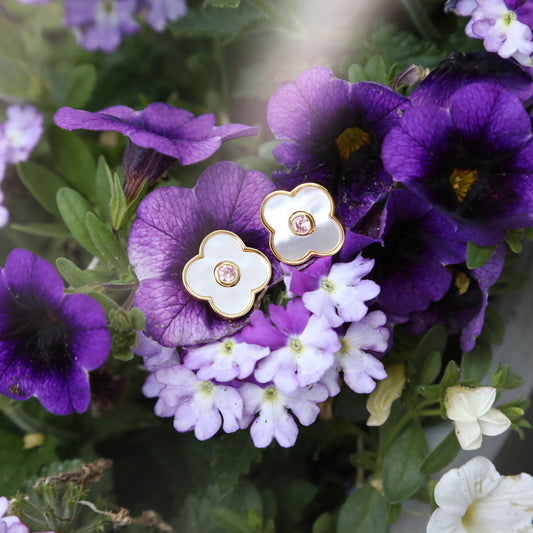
{"x":227,"y":273}
{"x":301,"y":224}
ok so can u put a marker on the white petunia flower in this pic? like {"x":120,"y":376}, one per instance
{"x":227,"y":274}
{"x":475,"y":498}
{"x":301,"y":223}
{"x":473,"y":415}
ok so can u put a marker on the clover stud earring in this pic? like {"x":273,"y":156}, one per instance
{"x":227,"y":274}
{"x":302,"y":224}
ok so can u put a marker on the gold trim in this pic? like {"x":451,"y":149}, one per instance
{"x":209,"y":299}
{"x":216,"y":274}
{"x":271,"y":230}
{"x":307,"y":215}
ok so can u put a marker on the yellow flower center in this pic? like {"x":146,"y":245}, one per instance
{"x":270,"y":394}
{"x":461,"y":282}
{"x":469,"y":518}
{"x":462,"y":180}
{"x":350,"y":140}
{"x":295,"y":344}
{"x":509,"y":18}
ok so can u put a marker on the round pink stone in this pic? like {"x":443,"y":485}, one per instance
{"x":301,"y":224}
{"x":227,"y":274}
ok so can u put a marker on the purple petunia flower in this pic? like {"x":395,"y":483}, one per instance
{"x":302,"y":345}
{"x":335,"y":291}
{"x":199,"y":404}
{"x":467,"y":161}
{"x":462,"y":308}
{"x":332,"y":132}
{"x":158,"y":135}
{"x":10,"y":524}
{"x":100,"y":24}
{"x":48,"y":340}
{"x":272,"y":406}
{"x":171,"y":224}
{"x":411,"y":252}
{"x":461,"y":69}
{"x":159,"y":12}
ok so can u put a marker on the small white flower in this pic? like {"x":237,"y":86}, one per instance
{"x":473,"y":415}
{"x":301,"y":223}
{"x":475,"y":498}
{"x":227,"y":274}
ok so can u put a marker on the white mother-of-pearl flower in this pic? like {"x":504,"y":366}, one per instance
{"x":227,"y":274}
{"x":302,"y":223}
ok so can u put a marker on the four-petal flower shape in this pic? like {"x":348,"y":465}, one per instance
{"x":227,"y":274}
{"x":301,"y":223}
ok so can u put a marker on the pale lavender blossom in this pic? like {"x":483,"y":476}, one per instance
{"x":33,"y":1}
{"x":336,"y":291}
{"x":20,"y":133}
{"x":302,"y":345}
{"x":100,"y":24}
{"x":159,"y":12}
{"x":200,"y":405}
{"x":224,"y":360}
{"x":4,"y":213}
{"x":272,"y":405}
{"x":360,"y":367}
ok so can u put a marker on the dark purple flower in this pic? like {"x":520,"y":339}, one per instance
{"x":472,"y":161}
{"x":48,"y":340}
{"x":100,"y":24}
{"x":462,"y":308}
{"x":415,"y":245}
{"x":461,"y":69}
{"x":332,"y":132}
{"x":171,"y":224}
{"x":158,"y":135}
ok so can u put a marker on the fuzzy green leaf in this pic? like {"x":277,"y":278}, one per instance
{"x":476,"y":363}
{"x":442,"y":455}
{"x":82,"y":79}
{"x":433,"y":341}
{"x":43,"y":229}
{"x":477,"y":256}
{"x":73,"y":275}
{"x":376,"y":70}
{"x":401,"y":473}
{"x":42,"y":184}
{"x":356,"y":73}
{"x":74,"y":208}
{"x":431,"y":368}
{"x":106,"y":242}
{"x":364,"y":511}
{"x":493,"y":326}
{"x":103,"y":182}
{"x":75,"y":161}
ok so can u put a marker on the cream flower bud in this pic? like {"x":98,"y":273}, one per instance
{"x":387,"y":391}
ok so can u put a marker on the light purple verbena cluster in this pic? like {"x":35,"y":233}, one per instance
{"x":11,"y":524}
{"x":504,"y":25}
{"x":101,"y":24}
{"x":19,"y":135}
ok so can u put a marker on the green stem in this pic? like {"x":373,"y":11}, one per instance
{"x":429,"y":412}
{"x":220,"y":57}
{"x":421,"y":21}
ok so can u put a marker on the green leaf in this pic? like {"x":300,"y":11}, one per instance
{"x":74,"y":276}
{"x":433,"y":341}
{"x":11,"y":41}
{"x":74,"y":208}
{"x":477,"y":256}
{"x":16,"y":80}
{"x":107,"y":303}
{"x":376,"y":70}
{"x":82,"y":79}
{"x":503,"y":378}
{"x":106,"y":242}
{"x":229,"y":521}
{"x":224,"y":3}
{"x":476,"y":363}
{"x":74,"y":160}
{"x":325,"y":523}
{"x":431,"y":368}
{"x":356,"y":73}
{"x":529,"y":233}
{"x":442,"y":455}
{"x":364,"y":511}
{"x":401,"y":474}
{"x":103,"y":181}
{"x":42,"y":184}
{"x":43,"y":229}
{"x":493,"y":326}
{"x":451,"y":375}
{"x":514,"y":240}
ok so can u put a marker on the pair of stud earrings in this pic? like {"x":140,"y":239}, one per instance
{"x":229,"y":275}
